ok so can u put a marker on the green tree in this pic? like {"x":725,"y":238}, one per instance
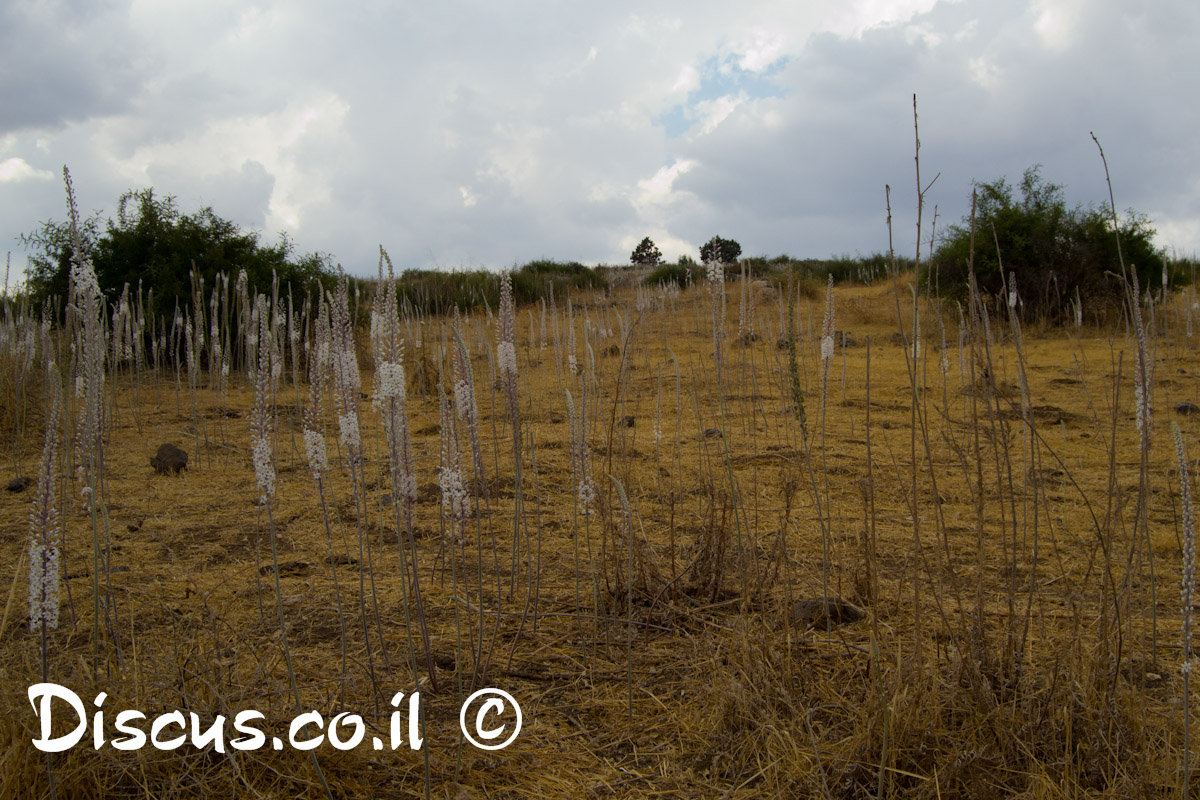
{"x":646,"y":254}
{"x":152,"y":243}
{"x":721,"y":251}
{"x":1057,"y":254}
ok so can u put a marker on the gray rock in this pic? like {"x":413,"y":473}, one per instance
{"x":169,"y":460}
{"x":819,"y":612}
{"x":19,"y":484}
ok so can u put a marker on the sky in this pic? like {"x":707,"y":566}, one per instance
{"x":487,"y":134}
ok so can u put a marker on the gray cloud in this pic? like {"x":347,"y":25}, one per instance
{"x":65,"y":62}
{"x":488,"y":135}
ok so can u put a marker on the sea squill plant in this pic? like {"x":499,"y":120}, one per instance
{"x":43,"y":524}
{"x":318,"y":462}
{"x":391,"y":403}
{"x":1187,"y":594}
{"x":91,"y":345}
{"x":467,"y":411}
{"x":346,"y":388}
{"x":44,"y":564}
{"x":264,"y":476}
{"x":506,"y":366}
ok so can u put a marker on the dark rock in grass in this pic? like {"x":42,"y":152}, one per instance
{"x":285,"y":569}
{"x":1187,"y":409}
{"x":821,"y":612}
{"x":169,"y":460}
{"x":625,"y":422}
{"x":19,"y":484}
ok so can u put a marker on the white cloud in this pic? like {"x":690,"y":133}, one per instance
{"x":713,"y":112}
{"x":297,"y":146}
{"x":688,"y":80}
{"x":761,"y":50}
{"x":657,"y":189}
{"x":16,"y":170}
{"x":1057,"y":21}
{"x":856,"y":17}
{"x":984,"y":72}
{"x":1173,"y":232}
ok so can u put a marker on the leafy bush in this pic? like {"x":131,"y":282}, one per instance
{"x":759,"y":266}
{"x":679,"y":273}
{"x":543,"y":279}
{"x":438,"y":292}
{"x":646,"y":254}
{"x":844,"y":268}
{"x":1055,"y":252}
{"x":153,"y":244}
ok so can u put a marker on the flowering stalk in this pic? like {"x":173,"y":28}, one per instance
{"x":456,"y":503}
{"x":264,"y":474}
{"x":43,"y":540}
{"x":467,"y":411}
{"x":506,"y":365}
{"x":391,"y":401}
{"x":827,"y":350}
{"x":87,"y":306}
{"x":1143,"y":380}
{"x":1187,"y":593}
{"x":318,"y":462}
{"x":43,"y":525}
{"x":260,"y":418}
{"x":572,"y":363}
{"x":344,"y":368}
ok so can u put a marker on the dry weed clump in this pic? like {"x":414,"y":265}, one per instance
{"x":998,"y":532}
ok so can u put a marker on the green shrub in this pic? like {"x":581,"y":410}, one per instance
{"x":1056,"y":253}
{"x":544,"y":279}
{"x":438,"y":292}
{"x":844,"y":268}
{"x":679,"y":273}
{"x":153,"y":244}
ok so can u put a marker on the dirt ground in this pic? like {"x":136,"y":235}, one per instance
{"x":985,"y":507}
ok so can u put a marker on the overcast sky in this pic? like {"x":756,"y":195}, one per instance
{"x":488,"y":134}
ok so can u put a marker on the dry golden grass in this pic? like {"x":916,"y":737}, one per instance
{"x":925,"y":698}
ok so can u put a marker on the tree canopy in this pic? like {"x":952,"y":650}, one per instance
{"x":153,"y":244}
{"x":1060,"y":256}
{"x":721,"y":251}
{"x":646,"y":253}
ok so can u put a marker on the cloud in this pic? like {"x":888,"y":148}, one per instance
{"x":66,"y":62}
{"x":15,"y":170}
{"x":489,"y":135}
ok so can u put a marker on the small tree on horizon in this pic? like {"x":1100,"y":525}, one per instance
{"x":646,"y":254}
{"x":721,"y":251}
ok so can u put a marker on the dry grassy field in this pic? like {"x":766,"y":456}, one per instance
{"x":1002,"y":556}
